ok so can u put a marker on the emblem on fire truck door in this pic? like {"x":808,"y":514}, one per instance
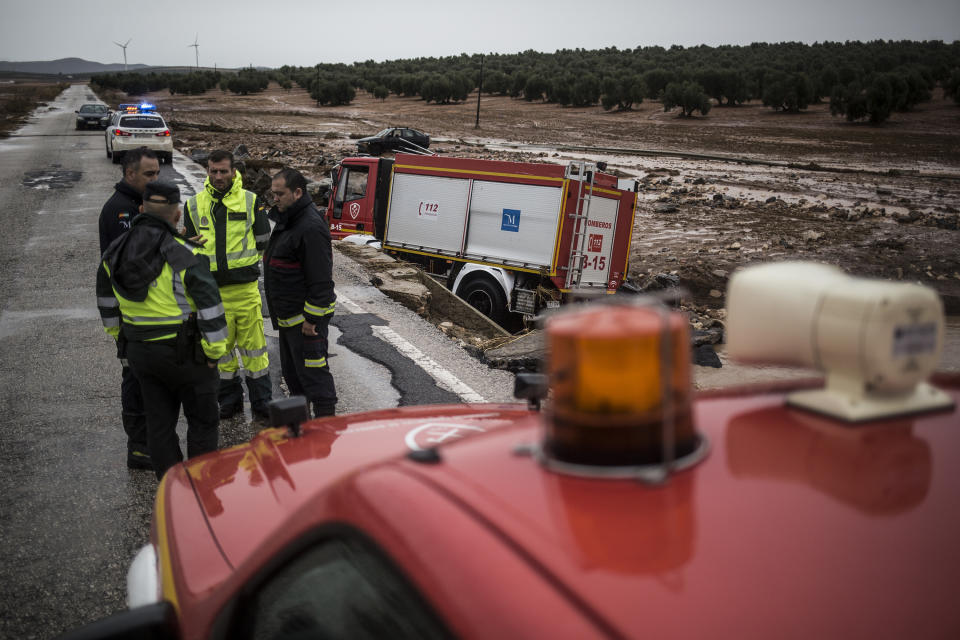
{"x":432,"y":434}
{"x":354,"y":210}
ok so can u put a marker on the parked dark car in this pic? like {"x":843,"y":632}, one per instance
{"x":93,"y":115}
{"x":394,"y":139}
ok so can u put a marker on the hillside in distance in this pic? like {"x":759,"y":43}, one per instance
{"x":66,"y":66}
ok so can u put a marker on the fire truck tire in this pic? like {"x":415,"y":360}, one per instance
{"x":486,"y":296}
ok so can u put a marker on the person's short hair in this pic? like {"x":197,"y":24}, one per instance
{"x":161,"y":192}
{"x":132,"y":158}
{"x":219,"y":155}
{"x":292,"y":178}
{"x":161,"y":209}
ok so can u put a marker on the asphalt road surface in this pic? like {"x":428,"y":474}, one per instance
{"x":71,"y":514}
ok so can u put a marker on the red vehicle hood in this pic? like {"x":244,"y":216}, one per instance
{"x":275,"y":473}
{"x":795,"y":525}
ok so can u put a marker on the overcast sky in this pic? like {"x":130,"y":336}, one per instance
{"x":301,"y":32}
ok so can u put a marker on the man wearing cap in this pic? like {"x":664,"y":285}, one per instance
{"x":156,"y":297}
{"x":140,"y":166}
{"x":235,"y":231}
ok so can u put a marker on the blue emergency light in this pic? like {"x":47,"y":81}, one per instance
{"x":142,"y":107}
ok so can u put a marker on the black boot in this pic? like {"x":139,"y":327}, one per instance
{"x":138,"y":454}
{"x":322,"y":409}
{"x":260,"y":392}
{"x":230,"y":397}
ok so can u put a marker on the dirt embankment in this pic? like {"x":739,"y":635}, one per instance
{"x":878,"y":201}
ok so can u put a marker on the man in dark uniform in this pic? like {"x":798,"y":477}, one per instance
{"x":140,"y":167}
{"x":156,"y":295}
{"x":298,"y":278}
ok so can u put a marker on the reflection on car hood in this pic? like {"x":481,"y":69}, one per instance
{"x":276,"y":473}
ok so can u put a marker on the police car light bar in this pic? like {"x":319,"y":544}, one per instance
{"x":141,"y":107}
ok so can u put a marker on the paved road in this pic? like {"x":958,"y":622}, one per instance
{"x":71,"y":514}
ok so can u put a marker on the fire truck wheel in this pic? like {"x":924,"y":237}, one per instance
{"x":486,"y":296}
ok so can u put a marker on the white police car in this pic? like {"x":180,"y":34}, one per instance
{"x":134,"y":126}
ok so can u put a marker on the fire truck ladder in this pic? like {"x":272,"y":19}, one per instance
{"x":415,"y":149}
{"x":584,"y":173}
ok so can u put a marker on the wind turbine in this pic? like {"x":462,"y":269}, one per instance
{"x":196,"y":47}
{"x":124,"y":47}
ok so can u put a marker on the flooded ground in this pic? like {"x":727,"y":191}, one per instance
{"x":742,"y":185}
{"x":732,"y":373}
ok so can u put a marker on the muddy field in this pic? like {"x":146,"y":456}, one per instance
{"x":743,"y":184}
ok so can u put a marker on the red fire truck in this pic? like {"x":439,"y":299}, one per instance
{"x":629,"y":507}
{"x":509,"y":236}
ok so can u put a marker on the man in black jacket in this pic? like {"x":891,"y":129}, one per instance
{"x":298,"y":279}
{"x":156,"y":296}
{"x":140,"y":167}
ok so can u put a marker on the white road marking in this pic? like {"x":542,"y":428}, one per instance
{"x":349,"y":304}
{"x":443,"y":377}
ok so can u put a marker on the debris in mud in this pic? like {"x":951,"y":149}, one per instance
{"x":706,"y":356}
{"x":851,"y":184}
{"x":200,"y":156}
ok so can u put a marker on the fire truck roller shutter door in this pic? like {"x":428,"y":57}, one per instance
{"x":436,"y":219}
{"x":514,"y":222}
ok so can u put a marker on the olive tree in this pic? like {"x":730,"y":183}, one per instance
{"x":689,"y":96}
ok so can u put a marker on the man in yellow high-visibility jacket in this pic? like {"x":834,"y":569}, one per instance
{"x":235,"y":230}
{"x":156,"y":297}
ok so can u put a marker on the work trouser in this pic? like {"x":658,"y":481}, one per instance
{"x":303,"y":360}
{"x":131,"y":403}
{"x":167,"y":383}
{"x":242,"y":307}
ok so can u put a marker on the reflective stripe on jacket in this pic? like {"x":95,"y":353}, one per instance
{"x":152,"y":281}
{"x":236,"y":232}
{"x":298,"y":266}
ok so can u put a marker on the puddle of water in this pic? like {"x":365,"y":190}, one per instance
{"x":51,"y":179}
